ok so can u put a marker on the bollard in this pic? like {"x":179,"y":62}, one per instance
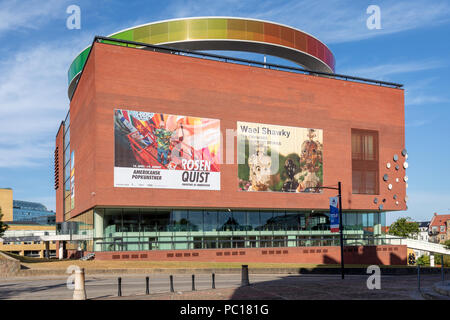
{"x":193,"y":282}
{"x":244,"y":276}
{"x":213,"y":281}
{"x":171,"y":284}
{"x":147,"y":285}
{"x":418,"y":276}
{"x":119,"y":285}
{"x":442,"y":268}
{"x":79,"y":293}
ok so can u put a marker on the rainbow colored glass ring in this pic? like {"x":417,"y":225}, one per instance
{"x":225,"y":33}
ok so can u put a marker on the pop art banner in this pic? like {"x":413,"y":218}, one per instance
{"x":279,"y":158}
{"x":72,"y":180}
{"x":156,"y":150}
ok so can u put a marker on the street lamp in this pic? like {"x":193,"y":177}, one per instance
{"x":341,"y":231}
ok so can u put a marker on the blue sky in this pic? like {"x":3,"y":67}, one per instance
{"x":412,"y":47}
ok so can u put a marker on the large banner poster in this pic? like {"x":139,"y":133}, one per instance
{"x":72,"y":180}
{"x":156,"y":150}
{"x":279,"y":158}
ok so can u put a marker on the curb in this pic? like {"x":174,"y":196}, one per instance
{"x":298,"y":271}
{"x":442,"y":288}
{"x":429,"y":294}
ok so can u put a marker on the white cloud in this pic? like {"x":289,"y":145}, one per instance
{"x":16,"y":14}
{"x":25,"y":154}
{"x":49,"y":201}
{"x":33,"y":101}
{"x":380,"y":71}
{"x":422,"y":99}
{"x":422,"y":92}
{"x":418,"y":123}
{"x":331,"y":21}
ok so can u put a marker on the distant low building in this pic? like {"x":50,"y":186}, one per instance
{"x":423,"y":236}
{"x":6,"y":203}
{"x":25,"y":240}
{"x":33,"y":212}
{"x":438,"y":229}
{"x":27,"y":222}
{"x":423,"y":233}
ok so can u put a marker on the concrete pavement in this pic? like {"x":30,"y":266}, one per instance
{"x":264,"y":286}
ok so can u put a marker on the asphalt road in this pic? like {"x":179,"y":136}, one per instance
{"x":285,"y":286}
{"x":103,"y":286}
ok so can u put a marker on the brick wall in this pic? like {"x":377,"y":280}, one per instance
{"x":379,"y":255}
{"x":118,"y":77}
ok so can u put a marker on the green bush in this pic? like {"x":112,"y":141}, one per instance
{"x":437,"y":260}
{"x":425,"y":260}
{"x":447,"y":244}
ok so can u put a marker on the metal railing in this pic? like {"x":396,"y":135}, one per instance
{"x":216,"y":57}
{"x":123,"y":244}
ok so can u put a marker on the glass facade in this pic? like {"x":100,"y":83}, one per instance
{"x":25,"y":211}
{"x":81,"y":228}
{"x":67,"y":204}
{"x":132,"y":229}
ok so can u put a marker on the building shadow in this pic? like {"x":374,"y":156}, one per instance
{"x":368,"y":255}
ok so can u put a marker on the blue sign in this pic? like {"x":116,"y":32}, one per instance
{"x":334,"y":214}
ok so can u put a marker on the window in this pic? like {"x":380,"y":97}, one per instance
{"x":210,"y":221}
{"x":442,"y":228}
{"x":180,"y":220}
{"x":365,"y":161}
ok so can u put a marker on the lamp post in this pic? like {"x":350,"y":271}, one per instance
{"x":341,"y":231}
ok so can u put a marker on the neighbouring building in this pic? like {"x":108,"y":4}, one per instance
{"x":32,"y":212}
{"x":175,"y":154}
{"x":6,"y":203}
{"x":26,"y":240}
{"x":28,"y":222}
{"x":423,"y":230}
{"x":423,"y":235}
{"x":438,"y":229}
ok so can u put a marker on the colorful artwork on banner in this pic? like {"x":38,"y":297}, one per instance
{"x":279,"y":158}
{"x":72,"y":180}
{"x":156,"y":150}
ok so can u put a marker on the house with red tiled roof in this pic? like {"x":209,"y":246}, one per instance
{"x":439,"y":228}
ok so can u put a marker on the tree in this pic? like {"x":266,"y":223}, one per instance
{"x":438,"y":257}
{"x":404,"y":228}
{"x":447,"y":244}
{"x":3,"y":226}
{"x":423,"y":260}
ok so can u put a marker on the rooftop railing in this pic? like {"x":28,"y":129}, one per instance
{"x":216,"y":57}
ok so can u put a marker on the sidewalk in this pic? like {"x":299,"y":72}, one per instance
{"x":403,"y":270}
{"x":306,"y":288}
{"x":443,"y":288}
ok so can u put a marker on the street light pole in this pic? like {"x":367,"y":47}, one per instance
{"x":341,"y":231}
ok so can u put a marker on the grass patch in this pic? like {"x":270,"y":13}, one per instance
{"x":107,"y":264}
{"x":43,"y":263}
{"x":111,"y":264}
{"x":24,"y":259}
